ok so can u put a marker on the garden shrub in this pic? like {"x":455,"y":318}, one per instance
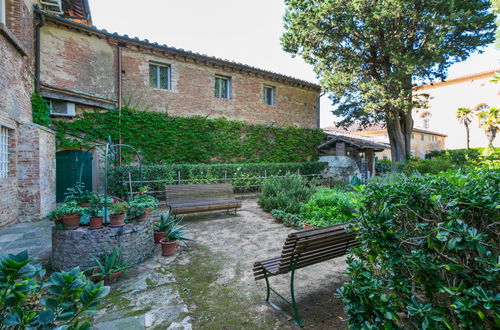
{"x":285,"y":193}
{"x":27,"y":301}
{"x":428,"y":257}
{"x":244,"y":177}
{"x":329,"y":207}
{"x":425,"y":166}
{"x":288,"y":219}
{"x":383,"y":166}
{"x":167,"y":139}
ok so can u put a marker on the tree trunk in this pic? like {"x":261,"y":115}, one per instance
{"x":399,"y":130}
{"x":468,"y":135}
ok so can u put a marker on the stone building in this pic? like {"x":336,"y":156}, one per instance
{"x":27,"y":150}
{"x":83,"y":67}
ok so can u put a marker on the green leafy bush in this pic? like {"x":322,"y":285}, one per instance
{"x":243,"y":177}
{"x":329,"y":207}
{"x":167,"y":139}
{"x":426,"y":166}
{"x":288,"y":219}
{"x":285,"y":193}
{"x":27,"y":301}
{"x":383,"y":166}
{"x":41,"y":110}
{"x":429,"y":254}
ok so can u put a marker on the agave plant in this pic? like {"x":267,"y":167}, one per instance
{"x":175,"y":232}
{"x":110,"y":263}
{"x":165,"y":220}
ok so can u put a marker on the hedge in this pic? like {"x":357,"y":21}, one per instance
{"x":166,"y":139}
{"x":428,"y":257}
{"x":243,"y":176}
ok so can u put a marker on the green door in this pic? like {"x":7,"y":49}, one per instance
{"x":72,"y":166}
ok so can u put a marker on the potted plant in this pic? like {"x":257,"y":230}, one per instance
{"x":96,"y":217}
{"x":143,"y":204}
{"x":109,"y":266}
{"x":173,"y":233}
{"x":81,"y":195}
{"x":161,"y":226}
{"x":117,"y":210}
{"x":71,"y":214}
{"x":55,"y":215}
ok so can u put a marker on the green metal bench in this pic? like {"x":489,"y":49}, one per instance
{"x":302,"y":249}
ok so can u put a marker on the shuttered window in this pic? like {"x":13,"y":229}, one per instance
{"x":223,"y":87}
{"x":159,"y":76}
{"x":4,"y":152}
{"x":269,"y":95}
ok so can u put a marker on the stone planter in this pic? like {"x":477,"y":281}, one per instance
{"x":117,"y":220}
{"x":71,"y":221}
{"x":168,"y":247}
{"x":72,"y":248}
{"x":95,"y":223}
{"x":158,"y":236}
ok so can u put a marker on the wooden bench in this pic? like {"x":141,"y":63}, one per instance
{"x":191,"y":198}
{"x":302,"y":249}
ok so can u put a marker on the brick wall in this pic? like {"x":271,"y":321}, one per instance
{"x":30,"y":148}
{"x":87,"y":65}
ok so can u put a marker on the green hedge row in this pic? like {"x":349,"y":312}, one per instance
{"x":244,"y":176}
{"x":164,"y":139}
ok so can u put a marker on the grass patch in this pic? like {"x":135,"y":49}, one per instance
{"x":211,"y":305}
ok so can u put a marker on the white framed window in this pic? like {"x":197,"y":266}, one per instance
{"x":3,"y":19}
{"x":426,"y":120}
{"x":159,"y":76}
{"x":269,"y":95}
{"x":62,"y":108}
{"x":4,"y":152}
{"x":223,"y":87}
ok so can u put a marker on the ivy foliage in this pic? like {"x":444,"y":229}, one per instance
{"x":429,"y":254}
{"x":165,"y":139}
{"x":41,"y":110}
{"x":244,"y":177}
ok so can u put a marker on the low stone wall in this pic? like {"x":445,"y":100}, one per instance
{"x":71,"y":248}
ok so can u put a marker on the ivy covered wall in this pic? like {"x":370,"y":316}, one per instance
{"x":164,"y":139}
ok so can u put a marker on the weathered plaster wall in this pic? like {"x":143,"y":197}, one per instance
{"x":341,"y":167}
{"x":77,"y":62}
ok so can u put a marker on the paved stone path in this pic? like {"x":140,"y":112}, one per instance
{"x":32,"y":236}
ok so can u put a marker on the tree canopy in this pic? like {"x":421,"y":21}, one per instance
{"x":369,"y":53}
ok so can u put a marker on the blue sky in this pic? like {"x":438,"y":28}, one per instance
{"x":245,"y":31}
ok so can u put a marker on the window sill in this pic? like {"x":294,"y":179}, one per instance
{"x":4,"y":30}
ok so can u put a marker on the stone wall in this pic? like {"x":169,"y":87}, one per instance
{"x":342,"y":168}
{"x":80,"y":64}
{"x":72,"y":248}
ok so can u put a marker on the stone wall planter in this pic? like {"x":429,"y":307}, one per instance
{"x":71,"y":248}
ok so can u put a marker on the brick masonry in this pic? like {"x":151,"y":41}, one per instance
{"x":31,"y":148}
{"x":86,"y":65}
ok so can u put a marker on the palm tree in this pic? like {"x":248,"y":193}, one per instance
{"x":464,"y":116}
{"x":490,"y":123}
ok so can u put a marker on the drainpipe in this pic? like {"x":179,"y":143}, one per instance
{"x":38,"y":26}
{"x":119,"y":55}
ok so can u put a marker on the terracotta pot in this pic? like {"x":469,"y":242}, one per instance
{"x":117,"y":220}
{"x":158,"y":236}
{"x":71,"y":221}
{"x":107,"y":279}
{"x":95,"y":223}
{"x":84,"y":204}
{"x":307,"y":226}
{"x":167,"y":247}
{"x":144,"y":216}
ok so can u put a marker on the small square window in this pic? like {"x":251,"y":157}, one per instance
{"x":62,"y":108}
{"x":4,"y":152}
{"x":159,"y":76}
{"x":222,"y":87}
{"x":269,"y":95}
